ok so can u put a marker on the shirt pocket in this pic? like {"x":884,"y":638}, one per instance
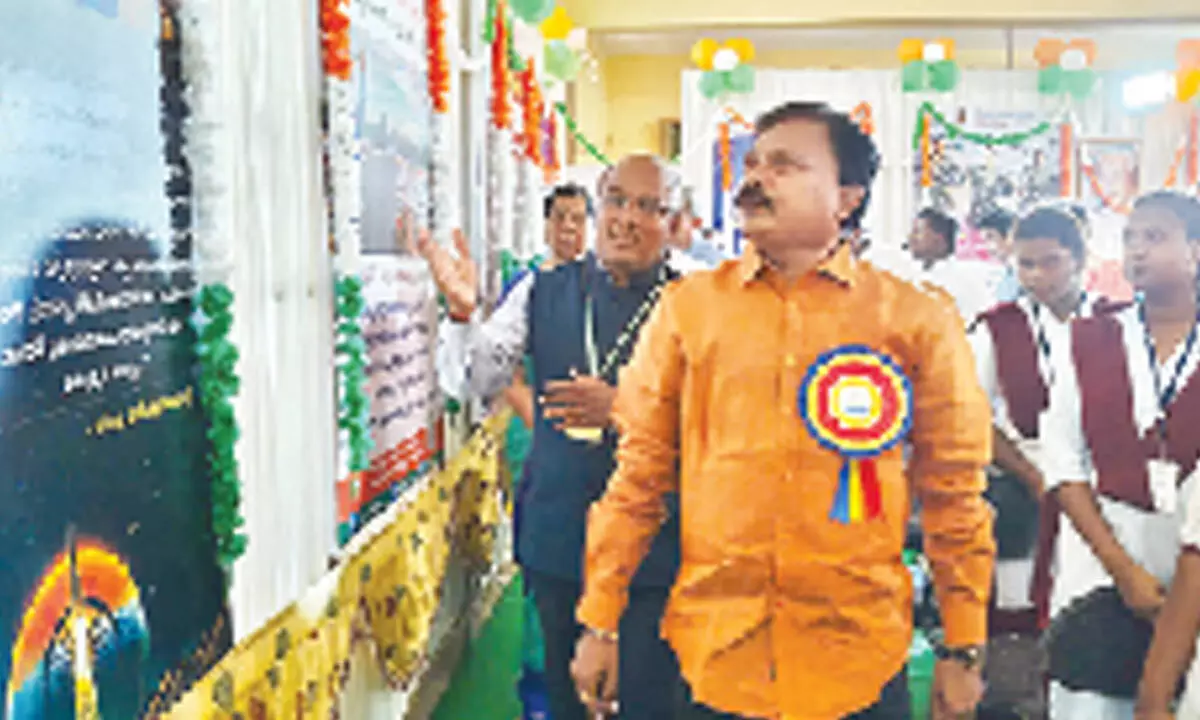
{"x":732,"y":399}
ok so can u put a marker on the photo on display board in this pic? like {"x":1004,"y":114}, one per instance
{"x":393,"y":122}
{"x":1109,"y":180}
{"x":110,"y":589}
{"x":393,"y":117}
{"x":971,"y":180}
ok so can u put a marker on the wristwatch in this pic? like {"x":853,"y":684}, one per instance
{"x":970,"y":656}
{"x":604,"y":635}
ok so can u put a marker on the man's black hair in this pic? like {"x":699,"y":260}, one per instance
{"x":857,"y":156}
{"x":999,"y":220}
{"x":567,"y":190}
{"x":942,"y":224}
{"x":1184,"y":207}
{"x":1057,"y":224}
{"x":1079,"y":213}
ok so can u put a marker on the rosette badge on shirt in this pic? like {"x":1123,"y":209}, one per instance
{"x":856,"y":402}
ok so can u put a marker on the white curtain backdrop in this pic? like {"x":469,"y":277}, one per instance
{"x":892,"y":202}
{"x":268,"y":71}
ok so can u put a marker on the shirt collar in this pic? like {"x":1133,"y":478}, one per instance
{"x":637,"y":281}
{"x":840,"y":266}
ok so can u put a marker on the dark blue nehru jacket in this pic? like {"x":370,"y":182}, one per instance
{"x":565,"y":476}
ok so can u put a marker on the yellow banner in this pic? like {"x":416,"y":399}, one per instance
{"x":387,"y":594}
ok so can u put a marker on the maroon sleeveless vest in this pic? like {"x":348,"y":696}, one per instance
{"x":1119,"y":452}
{"x":1025,"y":391}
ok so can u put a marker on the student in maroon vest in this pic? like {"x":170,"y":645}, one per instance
{"x":1120,"y":446}
{"x":1013,"y":344}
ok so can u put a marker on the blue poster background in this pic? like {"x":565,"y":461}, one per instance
{"x":104,"y":504}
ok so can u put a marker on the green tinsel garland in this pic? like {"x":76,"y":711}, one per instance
{"x":489,"y":22}
{"x":928,"y":112}
{"x":573,"y":128}
{"x":352,"y":366}
{"x":218,"y":384}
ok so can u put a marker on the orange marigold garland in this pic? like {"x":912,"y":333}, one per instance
{"x":500,"y":70}
{"x":439,"y":64}
{"x":335,"y":39}
{"x":533,"y":107}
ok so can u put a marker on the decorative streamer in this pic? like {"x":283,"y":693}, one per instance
{"x":335,"y":39}
{"x":1066,"y":150}
{"x":216,"y":355}
{"x":492,"y":249}
{"x":520,"y":222}
{"x":927,"y":113}
{"x":864,"y":117}
{"x":532,"y":109}
{"x":1193,"y":144}
{"x":1123,"y":205}
{"x":352,"y":364}
{"x":551,"y":165}
{"x":926,"y":154}
{"x":500,"y":69}
{"x":439,"y":64}
{"x":218,"y":384}
{"x":515,"y":62}
{"x":725,"y":142}
{"x":443,"y":212}
{"x":493,"y":11}
{"x":573,"y":128}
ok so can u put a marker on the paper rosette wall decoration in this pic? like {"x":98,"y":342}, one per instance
{"x":560,"y":61}
{"x":557,"y":26}
{"x":928,"y":65}
{"x":562,"y":57}
{"x":1066,"y":67}
{"x":1187,"y":75}
{"x":726,"y":67}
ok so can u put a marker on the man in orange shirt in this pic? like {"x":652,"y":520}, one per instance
{"x":777,"y":395}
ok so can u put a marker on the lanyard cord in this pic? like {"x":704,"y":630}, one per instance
{"x":1165,"y":394}
{"x":627,"y":334}
{"x":1043,"y":342}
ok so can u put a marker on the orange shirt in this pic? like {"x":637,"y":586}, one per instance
{"x":780,"y":611}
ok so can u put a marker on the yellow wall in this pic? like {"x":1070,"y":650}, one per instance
{"x":640,"y":90}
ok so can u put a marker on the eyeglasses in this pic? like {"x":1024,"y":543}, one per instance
{"x":647,"y":206}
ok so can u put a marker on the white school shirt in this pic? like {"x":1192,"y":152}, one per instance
{"x":1014,"y":577}
{"x":1150,"y":538}
{"x":971,"y":283}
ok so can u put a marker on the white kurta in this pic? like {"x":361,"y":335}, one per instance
{"x":1014,"y":577}
{"x":1150,"y":538}
{"x":972,"y":284}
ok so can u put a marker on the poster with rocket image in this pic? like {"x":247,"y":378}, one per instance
{"x":111,"y":599}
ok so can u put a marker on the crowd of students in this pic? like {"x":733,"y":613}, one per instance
{"x":717,"y":536}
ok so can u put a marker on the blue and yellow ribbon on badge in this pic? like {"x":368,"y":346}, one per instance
{"x":856,"y":402}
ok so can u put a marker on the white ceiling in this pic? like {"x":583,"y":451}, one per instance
{"x":1129,"y":40}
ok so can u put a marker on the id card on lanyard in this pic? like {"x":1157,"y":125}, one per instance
{"x":1164,"y":474}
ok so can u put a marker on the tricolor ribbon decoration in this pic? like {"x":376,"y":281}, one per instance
{"x":856,"y":402}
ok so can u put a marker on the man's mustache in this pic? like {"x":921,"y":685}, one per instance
{"x":752,"y":196}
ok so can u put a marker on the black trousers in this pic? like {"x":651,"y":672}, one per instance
{"x":893,"y":704}
{"x":649,"y":673}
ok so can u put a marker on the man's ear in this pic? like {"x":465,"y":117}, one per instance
{"x":849,"y":198}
